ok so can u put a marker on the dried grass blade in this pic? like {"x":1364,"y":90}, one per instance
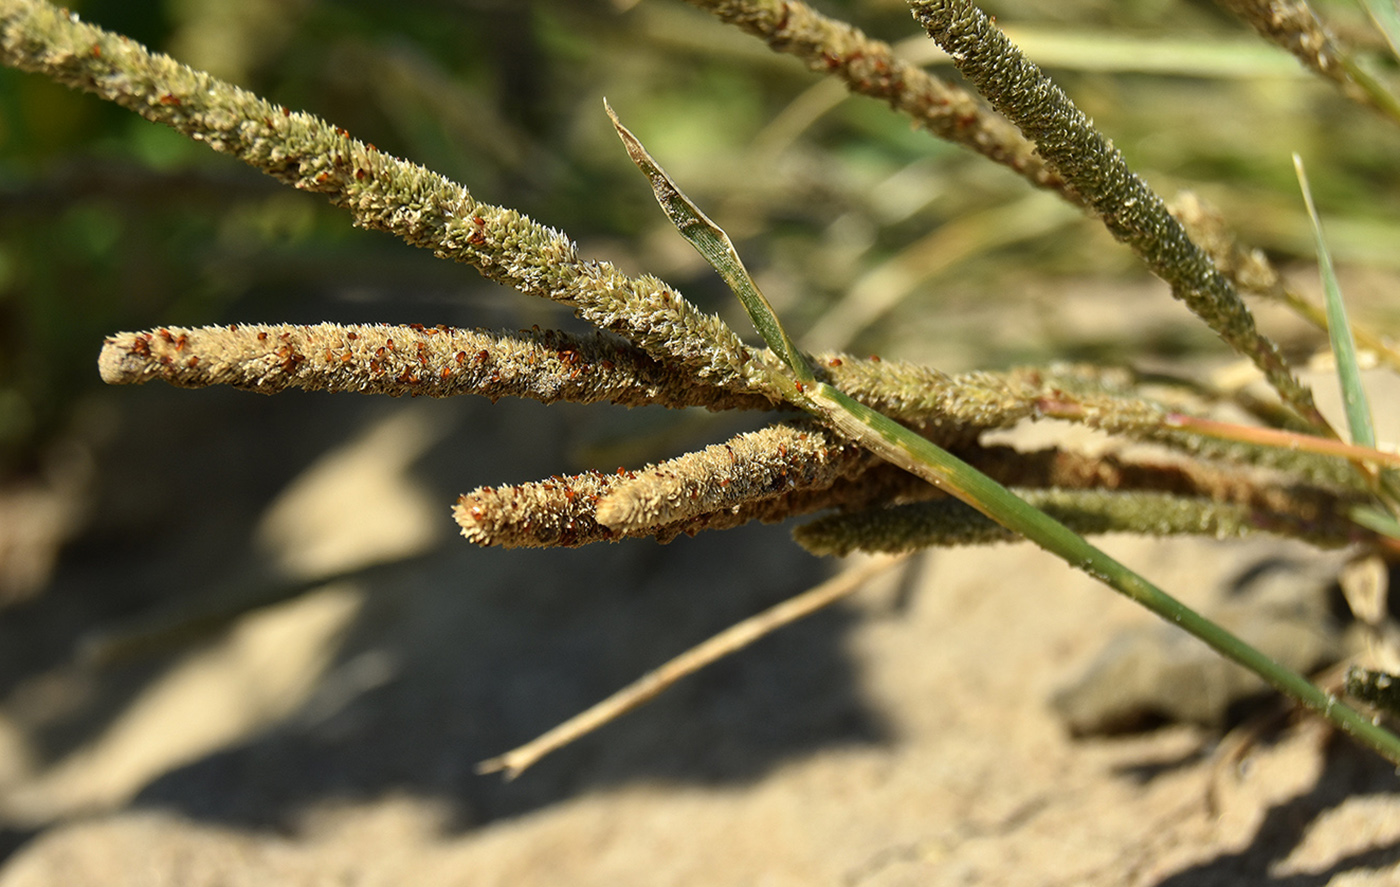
{"x":655,"y":682}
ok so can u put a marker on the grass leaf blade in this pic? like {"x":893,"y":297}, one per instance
{"x":1338,"y":328}
{"x":1377,"y":520}
{"x":714,"y":244}
{"x":1387,"y":18}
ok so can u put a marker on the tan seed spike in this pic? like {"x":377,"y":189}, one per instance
{"x":415,"y":359}
{"x":754,"y":466}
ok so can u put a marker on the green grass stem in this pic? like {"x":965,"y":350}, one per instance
{"x":920,"y":456}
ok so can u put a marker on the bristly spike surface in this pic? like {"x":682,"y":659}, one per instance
{"x":1131,"y":210}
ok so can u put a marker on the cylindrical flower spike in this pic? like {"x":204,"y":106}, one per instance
{"x":438,"y":361}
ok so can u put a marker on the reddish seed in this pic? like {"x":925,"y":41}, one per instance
{"x":352,"y":336}
{"x":461,"y":357}
{"x":874,"y":358}
{"x":96,"y":51}
{"x":165,"y":334}
{"x":389,"y":343}
{"x":379,"y":352}
{"x":165,"y":360}
{"x":233,"y":327}
{"x":262,"y":337}
{"x":141,"y":347}
{"x":286,"y":112}
{"x":346,"y":358}
{"x":416,"y":326}
{"x":608,"y":364}
{"x":181,"y":341}
{"x":359,"y":174}
{"x":192,"y":362}
{"x":446,"y":373}
{"x":169,"y":99}
{"x":835,"y":361}
{"x":481,"y":356}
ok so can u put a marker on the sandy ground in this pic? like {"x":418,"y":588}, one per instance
{"x":906,"y":737}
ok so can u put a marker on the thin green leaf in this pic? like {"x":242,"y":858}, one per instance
{"x":1377,"y":520}
{"x":1387,"y":18}
{"x":908,"y":450}
{"x":1339,"y":329}
{"x":714,"y":244}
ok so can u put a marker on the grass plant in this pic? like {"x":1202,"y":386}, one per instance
{"x":895,"y":449}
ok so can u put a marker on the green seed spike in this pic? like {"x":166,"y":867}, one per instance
{"x":1133,"y":213}
{"x":711,"y":242}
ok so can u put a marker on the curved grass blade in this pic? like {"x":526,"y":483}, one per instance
{"x":714,"y":244}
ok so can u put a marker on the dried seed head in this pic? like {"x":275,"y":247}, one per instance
{"x":546,"y":366}
{"x":751,"y":467}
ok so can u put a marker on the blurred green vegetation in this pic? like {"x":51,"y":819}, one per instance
{"x":109,"y":223}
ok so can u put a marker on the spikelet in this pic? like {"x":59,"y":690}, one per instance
{"x":947,"y":522}
{"x":1131,"y":210}
{"x":415,"y":359}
